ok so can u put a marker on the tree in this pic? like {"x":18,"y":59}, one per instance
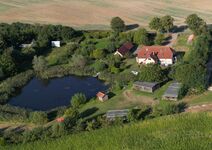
{"x":192,"y":76}
{"x":42,"y":40}
{"x":159,"y":38}
{"x":67,"y":33}
{"x":7,"y":64}
{"x":141,"y":37}
{"x":156,"y":24}
{"x":165,"y":108}
{"x":78,"y":61}
{"x":71,"y":112}
{"x":98,"y":53}
{"x":167,"y":23}
{"x":99,"y":66}
{"x":78,"y":99}
{"x":1,"y":73}
{"x":196,"y":24}
{"x":200,"y":50}
{"x":39,"y":64}
{"x":58,"y":129}
{"x":117,"y":24}
{"x":111,"y":47}
{"x":38,"y":117}
{"x":152,"y":73}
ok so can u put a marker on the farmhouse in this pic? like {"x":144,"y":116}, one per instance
{"x":124,"y":49}
{"x":113,"y":114}
{"x":102,"y":96}
{"x":155,"y":54}
{"x":55,"y":43}
{"x":172,"y":93}
{"x":146,"y":86}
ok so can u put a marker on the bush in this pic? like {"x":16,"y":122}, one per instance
{"x":38,"y":117}
{"x":78,"y":99}
{"x":165,"y":108}
{"x":152,"y":73}
{"x":8,"y":86}
{"x":2,"y":141}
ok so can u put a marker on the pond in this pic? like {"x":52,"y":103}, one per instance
{"x":49,"y":94}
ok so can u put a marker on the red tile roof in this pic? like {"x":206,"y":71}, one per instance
{"x":61,"y":119}
{"x":162,"y":52}
{"x":100,"y":94}
{"x":125,"y":48}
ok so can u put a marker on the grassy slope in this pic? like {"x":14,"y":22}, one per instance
{"x":185,"y":131}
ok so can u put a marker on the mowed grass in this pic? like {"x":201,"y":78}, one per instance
{"x":178,"y":132}
{"x":96,"y":14}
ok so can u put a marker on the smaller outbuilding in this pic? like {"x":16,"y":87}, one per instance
{"x":124,"y":49}
{"x":190,"y":38}
{"x":27,"y":45}
{"x":60,"y":120}
{"x":210,"y":88}
{"x":113,"y":114}
{"x":146,"y":86}
{"x":55,"y":43}
{"x":102,"y":96}
{"x":172,"y":93}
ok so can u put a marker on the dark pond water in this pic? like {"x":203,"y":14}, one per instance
{"x":45,"y":95}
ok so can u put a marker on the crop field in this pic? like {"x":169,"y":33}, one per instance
{"x":96,"y":14}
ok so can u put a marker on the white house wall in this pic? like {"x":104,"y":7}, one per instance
{"x":150,"y":61}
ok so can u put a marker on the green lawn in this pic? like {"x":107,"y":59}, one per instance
{"x":177,"y":132}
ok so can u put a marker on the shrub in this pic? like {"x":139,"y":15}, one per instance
{"x":38,"y":117}
{"x":78,"y":99}
{"x":8,"y":86}
{"x":165,"y":108}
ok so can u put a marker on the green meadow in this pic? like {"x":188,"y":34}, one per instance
{"x":178,"y":132}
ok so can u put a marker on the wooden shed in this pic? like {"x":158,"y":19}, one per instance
{"x":102,"y":96}
{"x":172,"y":93}
{"x":113,"y":114}
{"x":146,"y":86}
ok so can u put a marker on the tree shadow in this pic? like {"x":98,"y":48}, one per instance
{"x":181,"y":28}
{"x":111,"y":94}
{"x":88,"y":112}
{"x":182,"y":106}
{"x":18,"y":129}
{"x":179,"y":54}
{"x":131,"y":27}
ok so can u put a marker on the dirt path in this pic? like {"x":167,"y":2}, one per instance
{"x":173,"y":39}
{"x":15,"y":127}
{"x":199,"y":108}
{"x":140,"y":99}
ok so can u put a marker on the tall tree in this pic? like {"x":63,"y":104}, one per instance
{"x":141,"y":37}
{"x":167,"y":23}
{"x":7,"y":64}
{"x":39,"y":64}
{"x":152,"y":73}
{"x":117,"y":24}
{"x":156,"y":24}
{"x":191,"y":75}
{"x":199,"y":52}
{"x":196,"y":24}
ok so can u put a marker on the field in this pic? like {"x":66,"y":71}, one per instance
{"x":96,"y":14}
{"x":185,"y":131}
